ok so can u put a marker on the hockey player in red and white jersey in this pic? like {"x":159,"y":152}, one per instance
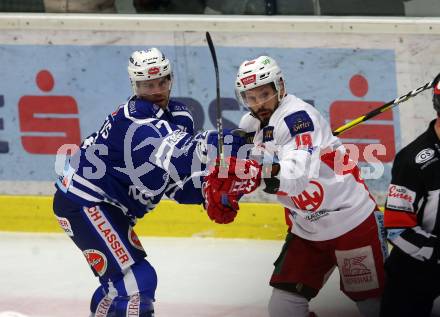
{"x":331,"y":215}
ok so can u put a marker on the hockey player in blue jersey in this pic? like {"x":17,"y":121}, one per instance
{"x":142,"y":152}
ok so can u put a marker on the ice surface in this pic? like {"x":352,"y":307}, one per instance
{"x":45,"y":275}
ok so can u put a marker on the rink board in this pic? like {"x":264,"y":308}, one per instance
{"x":76,"y":74}
{"x":169,"y":219}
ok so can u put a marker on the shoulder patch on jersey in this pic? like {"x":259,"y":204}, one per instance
{"x":267,"y":133}
{"x":177,"y":106}
{"x":299,"y":122}
{"x":424,"y":155}
{"x":400,"y":198}
{"x":250,"y":137}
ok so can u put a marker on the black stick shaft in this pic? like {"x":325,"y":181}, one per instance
{"x":218,"y":109}
{"x":386,"y":106}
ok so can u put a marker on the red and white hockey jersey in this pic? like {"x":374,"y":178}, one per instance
{"x":319,"y":185}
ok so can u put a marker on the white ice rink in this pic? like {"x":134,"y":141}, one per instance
{"x":46,"y":276}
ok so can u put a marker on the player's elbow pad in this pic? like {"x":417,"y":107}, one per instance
{"x":294,"y":172}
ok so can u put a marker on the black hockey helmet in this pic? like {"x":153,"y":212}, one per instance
{"x":436,"y":97}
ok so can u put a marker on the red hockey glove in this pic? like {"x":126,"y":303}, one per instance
{"x":225,"y":185}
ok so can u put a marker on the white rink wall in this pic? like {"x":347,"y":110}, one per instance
{"x":87,"y":56}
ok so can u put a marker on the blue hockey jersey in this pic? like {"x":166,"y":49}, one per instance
{"x":140,"y":153}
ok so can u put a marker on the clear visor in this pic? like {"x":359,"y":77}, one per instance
{"x":255,"y":99}
{"x":156,"y":86}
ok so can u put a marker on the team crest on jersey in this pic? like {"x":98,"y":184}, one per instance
{"x":134,"y":240}
{"x":311,"y":198}
{"x":97,"y":260}
{"x":299,"y":122}
{"x":268,"y":134}
{"x":424,"y":155}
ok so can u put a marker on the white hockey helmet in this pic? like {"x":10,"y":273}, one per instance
{"x":260,"y":71}
{"x":147,"y":65}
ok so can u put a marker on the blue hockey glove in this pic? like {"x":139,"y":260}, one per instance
{"x":233,"y":141}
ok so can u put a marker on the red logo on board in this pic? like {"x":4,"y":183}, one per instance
{"x":380,"y":129}
{"x":46,"y":122}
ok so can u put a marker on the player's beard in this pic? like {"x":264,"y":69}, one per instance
{"x":160,"y":99}
{"x":264,"y":115}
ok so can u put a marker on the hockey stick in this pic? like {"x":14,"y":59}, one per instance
{"x":218,"y":109}
{"x":386,"y":106}
{"x":275,"y":169}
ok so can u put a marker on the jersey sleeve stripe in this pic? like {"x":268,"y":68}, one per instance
{"x":181,"y":113}
{"x":83,"y":195}
{"x":422,"y":254}
{"x":419,"y":238}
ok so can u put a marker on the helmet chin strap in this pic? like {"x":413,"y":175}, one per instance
{"x":133,"y":87}
{"x":279,"y":85}
{"x":280,"y":98}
